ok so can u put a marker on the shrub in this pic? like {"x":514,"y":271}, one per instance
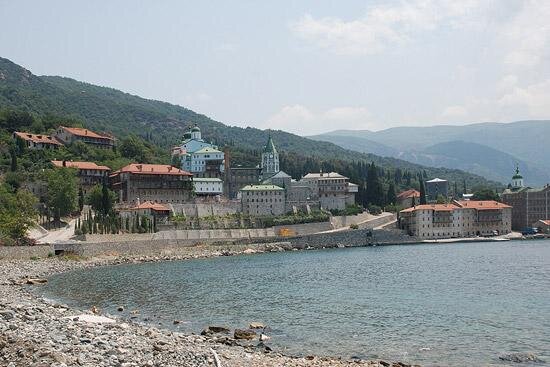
{"x":375,"y":209}
{"x":354,"y":226}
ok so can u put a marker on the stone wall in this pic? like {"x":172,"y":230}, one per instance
{"x":24,"y":252}
{"x":207,"y":209}
{"x":173,"y":247}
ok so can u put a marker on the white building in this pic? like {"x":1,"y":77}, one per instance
{"x":458,"y":219}
{"x":199,"y":157}
{"x":208,"y":186}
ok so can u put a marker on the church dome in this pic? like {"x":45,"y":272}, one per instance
{"x":517,"y":176}
{"x":195,"y":129}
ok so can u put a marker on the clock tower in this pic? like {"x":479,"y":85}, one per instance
{"x":270,"y":159}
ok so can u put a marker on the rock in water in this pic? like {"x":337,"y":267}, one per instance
{"x":256,"y":325}
{"x":520,"y":358}
{"x":244,"y":334}
{"x":215,"y":329}
{"x":264,"y":337}
{"x":35,"y":281}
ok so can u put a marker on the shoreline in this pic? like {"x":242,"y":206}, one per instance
{"x":39,"y":330}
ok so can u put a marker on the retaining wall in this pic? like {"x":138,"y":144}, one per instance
{"x":24,"y":252}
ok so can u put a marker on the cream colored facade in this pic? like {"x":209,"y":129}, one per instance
{"x":262,"y":200}
{"x":458,"y":219}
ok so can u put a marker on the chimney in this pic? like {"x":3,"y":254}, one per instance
{"x":138,"y":202}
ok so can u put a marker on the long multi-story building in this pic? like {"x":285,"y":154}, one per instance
{"x":456,"y":219}
{"x":37,"y":141}
{"x":89,"y":173}
{"x":263,"y":200}
{"x":69,"y":135}
{"x":158,"y":183}
{"x":334,"y":191}
{"x":529,"y":205}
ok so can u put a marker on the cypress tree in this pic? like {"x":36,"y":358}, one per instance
{"x":422,"y":193}
{"x":391,"y":197}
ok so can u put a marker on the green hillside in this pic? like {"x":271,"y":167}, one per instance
{"x":162,"y":124}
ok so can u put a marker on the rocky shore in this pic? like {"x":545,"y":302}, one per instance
{"x":37,"y":332}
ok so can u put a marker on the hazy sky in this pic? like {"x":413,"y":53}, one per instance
{"x":300,"y":66}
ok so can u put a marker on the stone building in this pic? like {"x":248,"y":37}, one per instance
{"x":158,"y":183}
{"x":333,"y":190}
{"x":457,"y":219}
{"x":529,"y":205}
{"x":408,"y":198}
{"x":263,"y":200}
{"x":37,"y":141}
{"x":69,"y":135}
{"x":435,"y":188}
{"x":155,"y":212}
{"x":238,"y":177}
{"x":270,"y":159}
{"x":89,"y":173}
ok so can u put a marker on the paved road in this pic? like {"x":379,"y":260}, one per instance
{"x":61,"y":235}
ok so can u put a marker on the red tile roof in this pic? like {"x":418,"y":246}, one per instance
{"x":153,"y":169}
{"x":153,"y":206}
{"x":37,"y":138}
{"x":481,"y":204}
{"x":85,"y":132}
{"x":409,"y":194}
{"x":435,"y":207}
{"x":473,"y":204}
{"x":81,"y":165}
{"x":547,"y":221}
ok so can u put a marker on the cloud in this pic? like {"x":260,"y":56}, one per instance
{"x":454,"y":112}
{"x":527,"y":35}
{"x":533,"y":97}
{"x":387,"y":25}
{"x":303,"y":121}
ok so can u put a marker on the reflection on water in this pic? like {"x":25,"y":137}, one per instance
{"x":453,"y":304}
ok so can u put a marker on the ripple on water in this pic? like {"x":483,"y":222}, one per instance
{"x":455,"y":304}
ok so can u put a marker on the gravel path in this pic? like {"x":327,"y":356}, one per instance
{"x":36,"y":332}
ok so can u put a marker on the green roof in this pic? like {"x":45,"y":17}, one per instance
{"x":195,"y":129}
{"x":270,"y":146}
{"x":207,"y":179}
{"x":517,"y":176}
{"x":262,"y":188}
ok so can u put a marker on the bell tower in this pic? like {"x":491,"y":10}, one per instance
{"x":270,"y":159}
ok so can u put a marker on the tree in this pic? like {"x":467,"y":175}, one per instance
{"x":13,"y":158}
{"x":485,"y":194}
{"x":391,"y":197}
{"x":101,"y":199}
{"x":133,"y":148}
{"x":17,"y":214}
{"x":375,"y":191}
{"x":62,"y":191}
{"x":422,"y":193}
{"x":80,"y":199}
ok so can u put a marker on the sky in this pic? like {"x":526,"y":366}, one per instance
{"x":301,"y":66}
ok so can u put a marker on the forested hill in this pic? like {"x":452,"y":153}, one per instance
{"x":109,"y":110}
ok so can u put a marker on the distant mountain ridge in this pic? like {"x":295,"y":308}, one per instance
{"x":489,"y":149}
{"x":110,"y":110}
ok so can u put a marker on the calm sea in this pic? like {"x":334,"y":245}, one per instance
{"x":452,"y":304}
